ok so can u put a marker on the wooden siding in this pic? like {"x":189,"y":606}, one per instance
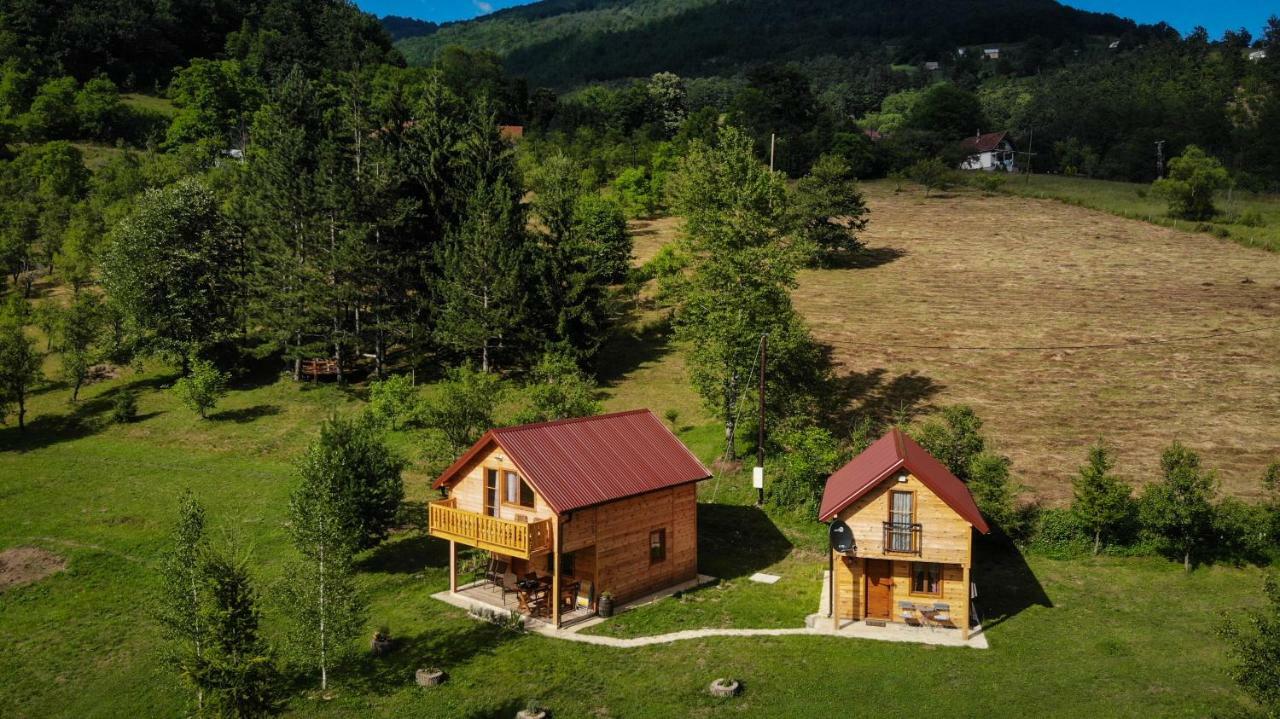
{"x":945,"y":536}
{"x":851,"y":589}
{"x":622,"y":542}
{"x":469,"y":491}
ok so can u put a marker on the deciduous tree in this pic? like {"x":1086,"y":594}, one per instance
{"x":1179,"y":508}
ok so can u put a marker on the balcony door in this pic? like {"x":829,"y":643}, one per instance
{"x":901,"y":517}
{"x":491,"y":492}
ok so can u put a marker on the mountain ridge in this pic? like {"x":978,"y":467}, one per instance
{"x":566,"y":43}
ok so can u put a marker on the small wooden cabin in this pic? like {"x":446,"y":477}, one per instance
{"x":610,"y":500}
{"x":913,"y":523}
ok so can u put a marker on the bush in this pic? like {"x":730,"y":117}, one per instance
{"x":1059,"y":534}
{"x":810,"y":454}
{"x":1241,"y":532}
{"x":932,"y":173}
{"x":988,"y":182}
{"x":202,"y":388}
{"x":394,"y":402}
{"x":124,"y":408}
{"x":1251,"y":218}
{"x":996,"y":494}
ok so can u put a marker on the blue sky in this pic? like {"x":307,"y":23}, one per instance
{"x":1182,"y":14}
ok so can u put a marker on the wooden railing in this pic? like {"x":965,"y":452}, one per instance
{"x":517,"y":539}
{"x":901,"y":538}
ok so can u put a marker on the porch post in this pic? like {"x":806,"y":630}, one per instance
{"x":964,"y":619}
{"x":453,"y":567}
{"x":555,"y":574}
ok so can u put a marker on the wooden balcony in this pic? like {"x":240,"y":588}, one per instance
{"x":516,"y":539}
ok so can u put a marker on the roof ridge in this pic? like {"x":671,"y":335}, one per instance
{"x":570,"y":420}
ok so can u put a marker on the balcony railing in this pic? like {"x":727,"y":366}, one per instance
{"x":516,"y":539}
{"x":901,"y":538}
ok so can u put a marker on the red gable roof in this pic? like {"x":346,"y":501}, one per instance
{"x":882,"y":459}
{"x":576,"y":463}
{"x":983,"y":143}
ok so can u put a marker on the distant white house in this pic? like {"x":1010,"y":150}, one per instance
{"x":991,"y":53}
{"x":991,"y":152}
{"x":1257,"y":55}
{"x":1115,"y":45}
{"x":932,"y":66}
{"x":961,"y":51}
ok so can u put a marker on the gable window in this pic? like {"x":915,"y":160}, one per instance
{"x":926,"y":578}
{"x":657,"y":546}
{"x":517,"y":491}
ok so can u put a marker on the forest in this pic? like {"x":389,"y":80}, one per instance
{"x":1089,"y":95}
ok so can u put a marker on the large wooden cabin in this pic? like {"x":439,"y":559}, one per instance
{"x":610,"y":500}
{"x":913,"y":523}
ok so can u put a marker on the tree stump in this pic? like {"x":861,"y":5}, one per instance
{"x":429,"y":677}
{"x":724,"y":688}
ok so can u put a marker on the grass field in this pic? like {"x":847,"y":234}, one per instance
{"x":1107,"y":637}
{"x":1137,"y":201}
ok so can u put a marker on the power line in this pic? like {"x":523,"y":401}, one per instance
{"x":1046,"y":348}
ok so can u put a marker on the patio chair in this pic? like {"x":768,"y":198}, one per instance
{"x":942,"y":613}
{"x":497,"y":570}
{"x":907,"y":611}
{"x":507,"y":583}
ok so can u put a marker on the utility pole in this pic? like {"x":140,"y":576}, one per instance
{"x":773,"y":143}
{"x":1160,"y":159}
{"x":759,"y":472}
{"x":1030,"y":147}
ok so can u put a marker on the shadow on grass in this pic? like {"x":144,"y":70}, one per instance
{"x":247,"y":414}
{"x":444,"y":648}
{"x":737,"y":540}
{"x":631,"y":348}
{"x":85,"y":418}
{"x":864,"y":259}
{"x":406,"y":556}
{"x":1006,"y":585}
{"x":882,"y":399}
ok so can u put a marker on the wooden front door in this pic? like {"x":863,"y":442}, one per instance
{"x":879,"y":589}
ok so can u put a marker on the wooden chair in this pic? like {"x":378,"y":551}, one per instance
{"x":497,"y":570}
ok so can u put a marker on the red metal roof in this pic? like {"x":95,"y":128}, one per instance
{"x":983,"y":143}
{"x":882,"y":459}
{"x":576,"y":463}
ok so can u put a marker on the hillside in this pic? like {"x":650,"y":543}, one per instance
{"x":563,"y":43}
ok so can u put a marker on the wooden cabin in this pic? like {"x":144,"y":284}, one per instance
{"x":611,"y":501}
{"x":912,"y":522}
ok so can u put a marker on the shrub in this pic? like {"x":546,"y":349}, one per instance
{"x":988,"y":182}
{"x":1241,"y":532}
{"x":953,"y":437}
{"x":1253,"y":645}
{"x":1251,"y":218}
{"x":1060,"y":535}
{"x":202,"y":388}
{"x":559,"y":390}
{"x":394,"y":402}
{"x":124,"y":407}
{"x":996,"y":494}
{"x":932,"y":173}
{"x":810,"y":455}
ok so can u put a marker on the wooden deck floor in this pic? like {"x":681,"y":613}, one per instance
{"x":488,"y":594}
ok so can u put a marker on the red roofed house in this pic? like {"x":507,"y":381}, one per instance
{"x":912,"y":522}
{"x":609,"y":500}
{"x":991,"y":151}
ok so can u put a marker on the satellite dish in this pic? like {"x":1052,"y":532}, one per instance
{"x":841,"y":537}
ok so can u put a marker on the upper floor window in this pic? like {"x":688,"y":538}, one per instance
{"x":899,"y":535}
{"x":518,"y":491}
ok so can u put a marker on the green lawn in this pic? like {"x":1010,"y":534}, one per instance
{"x":1083,"y":638}
{"x":1137,"y":201}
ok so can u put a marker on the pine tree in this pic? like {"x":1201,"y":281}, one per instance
{"x":1101,"y":500}
{"x":482,"y":288}
{"x":1179,"y":508}
{"x":236,"y":670}
{"x":179,"y":602}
